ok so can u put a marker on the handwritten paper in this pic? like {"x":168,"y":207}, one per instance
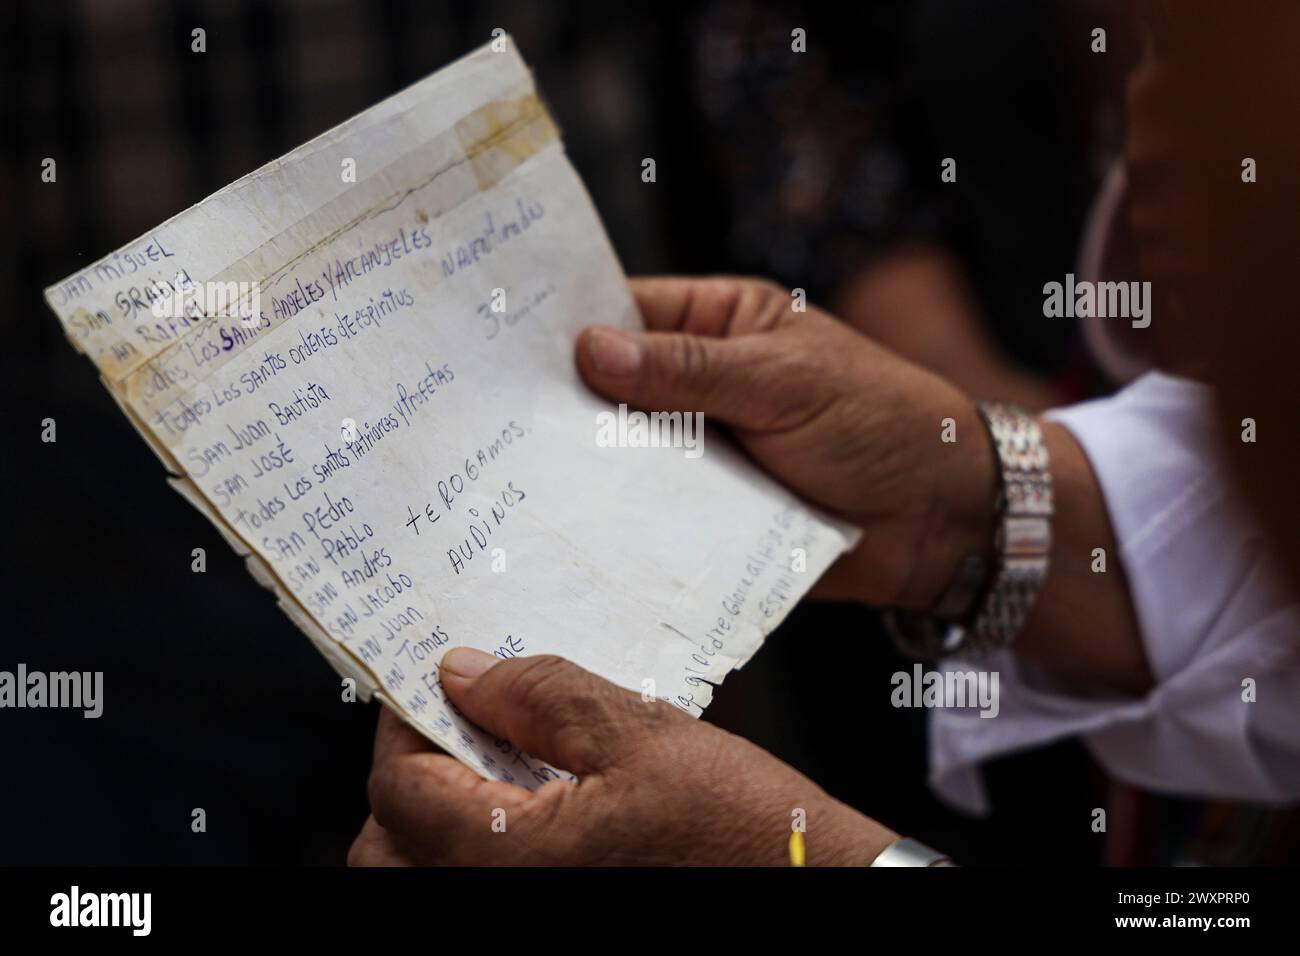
{"x":388,"y":424}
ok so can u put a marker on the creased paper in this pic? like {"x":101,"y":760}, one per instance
{"x":396,"y":438}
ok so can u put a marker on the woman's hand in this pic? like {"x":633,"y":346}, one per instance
{"x":655,"y":786}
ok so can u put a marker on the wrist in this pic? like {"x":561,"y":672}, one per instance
{"x":961,"y":518}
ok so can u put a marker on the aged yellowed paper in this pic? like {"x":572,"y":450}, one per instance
{"x":383,"y":415}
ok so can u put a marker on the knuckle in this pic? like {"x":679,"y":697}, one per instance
{"x":779,"y":310}
{"x":766,"y":304}
{"x":539,"y":685}
{"x":689,"y":358}
{"x":576,"y":711}
{"x":724,"y":291}
{"x":768,"y":290}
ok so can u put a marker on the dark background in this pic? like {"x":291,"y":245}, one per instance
{"x":806,"y":170}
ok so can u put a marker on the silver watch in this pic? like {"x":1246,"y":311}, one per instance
{"x":1023,"y":539}
{"x":980,"y":610}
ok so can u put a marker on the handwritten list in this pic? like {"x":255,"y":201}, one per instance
{"x":386,"y":421}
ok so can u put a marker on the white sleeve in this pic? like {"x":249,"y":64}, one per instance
{"x":1221,"y":632}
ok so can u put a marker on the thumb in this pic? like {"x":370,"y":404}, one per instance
{"x":734,"y":380}
{"x":545,"y":705}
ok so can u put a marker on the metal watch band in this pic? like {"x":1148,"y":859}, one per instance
{"x":1024,"y":534}
{"x":908,"y":852}
{"x":1022,"y":545}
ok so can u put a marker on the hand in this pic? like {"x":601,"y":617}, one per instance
{"x":833,"y":416}
{"x":655,"y":786}
{"x":858,"y":430}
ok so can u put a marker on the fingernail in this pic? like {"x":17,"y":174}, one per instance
{"x":467,"y":662}
{"x":614,"y":353}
